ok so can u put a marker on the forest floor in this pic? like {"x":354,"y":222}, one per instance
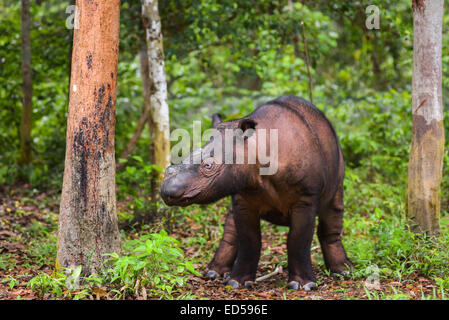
{"x":28,"y":226}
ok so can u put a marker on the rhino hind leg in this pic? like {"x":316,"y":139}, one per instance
{"x":330,"y":227}
{"x":226,"y":253}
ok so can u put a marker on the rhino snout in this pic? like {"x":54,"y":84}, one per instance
{"x":171,"y":188}
{"x":177,"y":184}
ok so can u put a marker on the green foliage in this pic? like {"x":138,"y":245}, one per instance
{"x":376,"y":233}
{"x":10,"y":281}
{"x":152,"y":265}
{"x":154,"y":262}
{"x":70,"y":284}
{"x":134,"y":184}
{"x":375,"y":132}
{"x":42,"y":250}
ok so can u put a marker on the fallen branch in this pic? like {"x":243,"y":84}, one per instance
{"x":275,"y":272}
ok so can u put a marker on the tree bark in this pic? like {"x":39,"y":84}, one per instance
{"x":145,"y":114}
{"x":160,"y":128}
{"x":69,"y":60}
{"x":27,"y":111}
{"x":87,"y":220}
{"x":427,"y":148}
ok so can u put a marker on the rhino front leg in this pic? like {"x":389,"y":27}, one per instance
{"x":247,"y":224}
{"x":302,"y":227}
{"x":225,"y":255}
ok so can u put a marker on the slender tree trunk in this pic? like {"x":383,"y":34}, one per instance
{"x":147,"y":91}
{"x":160,"y":129}
{"x":291,"y":8}
{"x":87,"y":220}
{"x":146,"y":108}
{"x":375,"y":62}
{"x":304,"y":40}
{"x":27,"y":111}
{"x":146,"y":82}
{"x":427,"y":149}
{"x":296,"y":47}
{"x":378,"y":76}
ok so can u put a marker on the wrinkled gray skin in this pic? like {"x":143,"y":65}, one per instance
{"x":308,"y":183}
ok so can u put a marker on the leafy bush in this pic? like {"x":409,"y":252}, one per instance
{"x":135,"y":182}
{"x":151,"y":266}
{"x":153,"y":262}
{"x":69,"y":284}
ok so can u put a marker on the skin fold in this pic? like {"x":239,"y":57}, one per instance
{"x":308,"y":183}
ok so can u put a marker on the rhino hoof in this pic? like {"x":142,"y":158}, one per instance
{"x":346,"y":273}
{"x":211,"y":274}
{"x":249,"y":284}
{"x":293,"y":285}
{"x":309,"y":286}
{"x":233,"y":283}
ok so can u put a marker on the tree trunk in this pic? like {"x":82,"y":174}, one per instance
{"x":427,"y":149}
{"x":69,"y":60}
{"x":87,"y":220}
{"x":145,"y":115}
{"x":147,"y":91}
{"x":306,"y":51}
{"x":146,"y":84}
{"x":291,"y":8}
{"x":160,"y":129}
{"x":27,"y":111}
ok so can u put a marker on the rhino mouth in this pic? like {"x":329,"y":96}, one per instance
{"x":181,"y":200}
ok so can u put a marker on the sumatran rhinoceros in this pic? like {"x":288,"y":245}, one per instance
{"x":307,"y":181}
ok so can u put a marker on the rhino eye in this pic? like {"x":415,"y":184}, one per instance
{"x":207,"y":165}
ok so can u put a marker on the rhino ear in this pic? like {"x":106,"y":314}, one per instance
{"x":245,"y":124}
{"x":216,"y":119}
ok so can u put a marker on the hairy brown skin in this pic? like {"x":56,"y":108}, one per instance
{"x":308,"y":183}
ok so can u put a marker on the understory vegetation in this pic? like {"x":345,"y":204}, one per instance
{"x":362,"y":85}
{"x":163,"y":258}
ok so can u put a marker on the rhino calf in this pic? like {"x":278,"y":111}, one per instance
{"x":308,"y":183}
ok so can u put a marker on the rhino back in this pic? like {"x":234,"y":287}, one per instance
{"x":308,"y":148}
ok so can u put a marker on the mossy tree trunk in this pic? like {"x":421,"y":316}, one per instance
{"x":27,"y":110}
{"x":159,"y":122}
{"x":87,"y":220}
{"x":427,"y":149}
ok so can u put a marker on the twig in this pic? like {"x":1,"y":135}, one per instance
{"x":422,"y":103}
{"x":269,"y":275}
